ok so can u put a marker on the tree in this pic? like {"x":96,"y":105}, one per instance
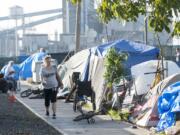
{"x":160,"y":17}
{"x":78,"y":23}
{"x":114,"y":68}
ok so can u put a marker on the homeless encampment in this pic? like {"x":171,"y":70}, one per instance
{"x":90,"y":63}
{"x":148,"y":115}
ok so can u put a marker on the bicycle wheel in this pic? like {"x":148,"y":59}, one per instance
{"x":91,"y":121}
{"x":79,"y":118}
{"x":26,"y":93}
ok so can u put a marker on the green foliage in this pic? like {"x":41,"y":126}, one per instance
{"x":160,"y":17}
{"x":114,"y":67}
{"x":161,"y":133}
{"x":119,"y":115}
{"x":177,"y":29}
{"x":74,"y":1}
{"x":114,"y":114}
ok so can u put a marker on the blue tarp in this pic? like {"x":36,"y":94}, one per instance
{"x":22,"y":58}
{"x":85,"y":74}
{"x":24,"y":70}
{"x":138,"y":52}
{"x":168,"y":106}
{"x":25,"y":66}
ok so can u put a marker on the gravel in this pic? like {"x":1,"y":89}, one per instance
{"x":15,"y":119}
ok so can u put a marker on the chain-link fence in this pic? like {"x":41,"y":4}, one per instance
{"x":169,"y":52}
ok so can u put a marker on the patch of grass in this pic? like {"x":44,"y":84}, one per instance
{"x":114,"y":114}
{"x":87,"y":106}
{"x":124,"y":114}
{"x":161,"y":133}
{"x":119,"y":115}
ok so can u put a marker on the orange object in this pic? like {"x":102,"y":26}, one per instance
{"x":12,"y":98}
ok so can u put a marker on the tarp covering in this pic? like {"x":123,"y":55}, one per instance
{"x":138,"y":52}
{"x":151,"y":116}
{"x":26,"y":66}
{"x":168,"y":105}
{"x":24,"y":70}
{"x":85,"y":74}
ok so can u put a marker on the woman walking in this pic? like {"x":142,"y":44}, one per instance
{"x":50,"y":81}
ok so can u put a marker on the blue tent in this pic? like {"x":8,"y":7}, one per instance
{"x":25,"y":66}
{"x":24,"y":70}
{"x":137,"y":52}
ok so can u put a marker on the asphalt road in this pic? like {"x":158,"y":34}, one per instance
{"x":15,"y":119}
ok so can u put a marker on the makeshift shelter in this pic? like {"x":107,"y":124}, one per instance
{"x":137,"y":52}
{"x":144,"y":73}
{"x":26,"y":66}
{"x":169,"y":106}
{"x":90,"y":63}
{"x":149,"y":111}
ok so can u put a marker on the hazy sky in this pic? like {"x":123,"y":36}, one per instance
{"x":32,"y":6}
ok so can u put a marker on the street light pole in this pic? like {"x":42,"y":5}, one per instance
{"x":16,"y":39}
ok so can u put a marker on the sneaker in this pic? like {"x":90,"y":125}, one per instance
{"x":47,"y":113}
{"x":54,"y":116}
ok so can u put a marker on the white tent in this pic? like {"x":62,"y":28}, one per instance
{"x":144,"y":76}
{"x":77,"y":63}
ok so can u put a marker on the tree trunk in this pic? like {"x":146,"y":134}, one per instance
{"x":78,"y":27}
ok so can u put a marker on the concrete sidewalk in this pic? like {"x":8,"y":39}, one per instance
{"x":64,"y":122}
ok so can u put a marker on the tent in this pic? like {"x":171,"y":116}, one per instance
{"x":169,"y":106}
{"x":90,"y":63}
{"x":144,"y":73}
{"x":26,"y":66}
{"x":24,"y":70}
{"x":151,"y":116}
{"x":138,"y":52}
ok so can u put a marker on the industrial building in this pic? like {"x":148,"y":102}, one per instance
{"x":18,"y":40}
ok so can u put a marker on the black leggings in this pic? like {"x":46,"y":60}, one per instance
{"x":12,"y":84}
{"x":50,"y":95}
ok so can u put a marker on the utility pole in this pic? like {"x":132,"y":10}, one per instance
{"x":16,"y":39}
{"x":78,"y":27}
{"x":146,"y":30}
{"x":146,"y":26}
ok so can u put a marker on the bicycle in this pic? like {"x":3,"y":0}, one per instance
{"x":30,"y":91}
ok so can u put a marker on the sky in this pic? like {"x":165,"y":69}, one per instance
{"x":32,"y":6}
